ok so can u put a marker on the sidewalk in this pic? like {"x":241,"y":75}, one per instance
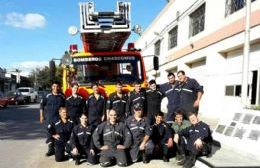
{"x":49,"y":162}
{"x":226,"y":156}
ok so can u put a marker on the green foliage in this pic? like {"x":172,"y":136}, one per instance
{"x":41,"y":77}
{"x":255,"y":107}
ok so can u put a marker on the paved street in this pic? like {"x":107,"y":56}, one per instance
{"x":22,"y":141}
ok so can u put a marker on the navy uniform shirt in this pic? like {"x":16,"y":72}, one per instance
{"x":133,"y":99}
{"x":188,"y":94}
{"x":75,"y":107}
{"x":200,"y":130}
{"x":50,"y":105}
{"x":138,"y":129}
{"x":82,"y":137}
{"x":118,"y":104}
{"x":161,"y":133}
{"x":153,"y":99}
{"x":95,"y":109}
{"x":62,"y":129}
{"x":112,"y":135}
{"x":172,"y":93}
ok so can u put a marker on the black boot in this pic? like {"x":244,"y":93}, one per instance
{"x":77,"y":161}
{"x":190,"y":161}
{"x":181,"y":159}
{"x":145,"y":158}
{"x":165,"y":158}
{"x":51,"y":150}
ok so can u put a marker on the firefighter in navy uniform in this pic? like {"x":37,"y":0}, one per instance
{"x":170,"y":91}
{"x":49,"y":111}
{"x":199,"y":140}
{"x":141,"y":132}
{"x":113,"y":138}
{"x":162,"y":137}
{"x":75,"y":105}
{"x":137,"y":96}
{"x":153,"y":101}
{"x":190,"y":93}
{"x":81,"y":142}
{"x":95,"y":107}
{"x":60,"y":131}
{"x":117,"y":101}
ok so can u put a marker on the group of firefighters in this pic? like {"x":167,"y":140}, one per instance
{"x":127,"y":127}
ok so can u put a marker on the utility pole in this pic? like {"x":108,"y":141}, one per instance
{"x":35,"y":78}
{"x":245,"y":66}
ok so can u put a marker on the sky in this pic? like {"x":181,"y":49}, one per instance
{"x":32,"y":32}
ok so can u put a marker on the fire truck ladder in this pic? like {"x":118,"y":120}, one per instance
{"x":104,"y":31}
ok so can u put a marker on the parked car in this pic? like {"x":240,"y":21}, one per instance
{"x":3,"y":100}
{"x":29,"y":93}
{"x":15,"y":97}
{"x":42,"y":93}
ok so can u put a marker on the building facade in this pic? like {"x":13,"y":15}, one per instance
{"x":205,"y":38}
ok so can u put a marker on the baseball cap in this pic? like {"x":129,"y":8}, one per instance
{"x":138,"y":106}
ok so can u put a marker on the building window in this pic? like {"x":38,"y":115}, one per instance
{"x":157,"y":47}
{"x":172,"y":70}
{"x":173,"y":34}
{"x":229,"y":90}
{"x":233,"y":90}
{"x":197,"y":62}
{"x":234,"y":5}
{"x":197,"y":21}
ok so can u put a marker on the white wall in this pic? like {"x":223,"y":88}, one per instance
{"x":220,"y":69}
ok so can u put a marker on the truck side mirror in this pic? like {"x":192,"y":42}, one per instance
{"x":156,"y":63}
{"x":52,"y":70}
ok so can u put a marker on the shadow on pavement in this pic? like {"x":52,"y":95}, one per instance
{"x":20,"y":122}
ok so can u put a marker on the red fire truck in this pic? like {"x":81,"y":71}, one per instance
{"x":103,"y":60}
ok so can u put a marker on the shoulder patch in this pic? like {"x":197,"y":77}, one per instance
{"x":61,"y":95}
{"x":48,"y":95}
{"x":68,"y":98}
{"x":57,"y":123}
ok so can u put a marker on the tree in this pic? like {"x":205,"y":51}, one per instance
{"x":41,"y":77}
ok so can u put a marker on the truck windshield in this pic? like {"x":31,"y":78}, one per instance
{"x":108,"y":69}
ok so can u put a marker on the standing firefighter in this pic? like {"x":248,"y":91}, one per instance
{"x":117,"y":101}
{"x":75,"y":105}
{"x":154,"y":99}
{"x":95,"y":107}
{"x":137,"y":96}
{"x":112,"y":138}
{"x":190,"y":93}
{"x":49,"y":111}
{"x":170,"y":90}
